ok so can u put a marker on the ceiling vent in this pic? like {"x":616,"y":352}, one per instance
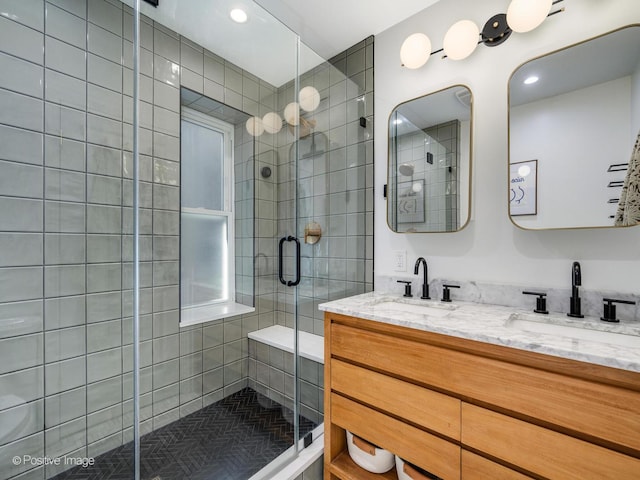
{"x":464,"y":97}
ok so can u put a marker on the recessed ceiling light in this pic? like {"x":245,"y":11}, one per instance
{"x":238,"y":15}
{"x":530,"y":80}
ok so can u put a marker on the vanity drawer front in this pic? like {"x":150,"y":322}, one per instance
{"x":395,"y":355}
{"x":475,"y":467}
{"x":410,"y":443}
{"x":431,"y":410}
{"x":541,"y":451}
{"x":550,"y":397}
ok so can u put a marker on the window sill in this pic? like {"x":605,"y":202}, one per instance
{"x":208,"y":313}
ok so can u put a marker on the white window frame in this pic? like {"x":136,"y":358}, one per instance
{"x":196,"y":314}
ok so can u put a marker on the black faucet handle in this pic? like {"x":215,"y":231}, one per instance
{"x":446,"y":293}
{"x":541,"y":301}
{"x":407,"y":288}
{"x":610,"y":309}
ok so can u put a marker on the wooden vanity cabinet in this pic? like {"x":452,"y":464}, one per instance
{"x":466,"y":409}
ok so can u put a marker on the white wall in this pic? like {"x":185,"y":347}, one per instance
{"x":635,"y":104}
{"x":491,"y":248}
{"x":574,"y":152}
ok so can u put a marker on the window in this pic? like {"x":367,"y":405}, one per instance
{"x":207,"y":257}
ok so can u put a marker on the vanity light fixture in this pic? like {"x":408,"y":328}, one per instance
{"x":464,"y":36}
{"x":238,"y":15}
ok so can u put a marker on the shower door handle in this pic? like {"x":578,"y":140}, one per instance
{"x":280,"y":274}
{"x":297,"y":280}
{"x":288,"y":283}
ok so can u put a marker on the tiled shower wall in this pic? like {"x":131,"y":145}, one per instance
{"x":334,"y":187}
{"x":439,"y":177}
{"x":65,"y":213}
{"x":65,"y":246}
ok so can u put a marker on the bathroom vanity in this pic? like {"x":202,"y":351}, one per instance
{"x":471,"y":391}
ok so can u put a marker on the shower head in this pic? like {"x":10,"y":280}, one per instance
{"x":406,"y":169}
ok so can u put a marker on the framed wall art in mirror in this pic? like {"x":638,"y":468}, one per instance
{"x":577,"y":111}
{"x":429,"y":167}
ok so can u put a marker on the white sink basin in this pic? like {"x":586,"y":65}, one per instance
{"x":574,"y":331}
{"x":430,"y":310}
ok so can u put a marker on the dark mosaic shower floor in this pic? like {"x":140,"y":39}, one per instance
{"x":228,"y":440}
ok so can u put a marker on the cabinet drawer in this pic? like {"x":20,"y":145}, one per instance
{"x":552,"y":398}
{"x":541,"y":451}
{"x":414,"y":445}
{"x":431,"y":410}
{"x":475,"y":467}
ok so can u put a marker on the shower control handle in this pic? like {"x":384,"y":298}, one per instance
{"x":288,"y":283}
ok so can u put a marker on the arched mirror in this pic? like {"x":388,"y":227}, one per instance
{"x":574,"y":117}
{"x":429,"y":168}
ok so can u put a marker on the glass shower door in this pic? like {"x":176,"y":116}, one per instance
{"x":216,"y":405}
{"x":66,"y":237}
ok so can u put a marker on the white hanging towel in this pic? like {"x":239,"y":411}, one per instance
{"x":629,"y":205}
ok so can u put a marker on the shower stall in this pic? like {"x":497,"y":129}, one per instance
{"x":159,"y":167}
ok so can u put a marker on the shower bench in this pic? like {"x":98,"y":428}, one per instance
{"x":271,"y":368}
{"x":310,"y":346}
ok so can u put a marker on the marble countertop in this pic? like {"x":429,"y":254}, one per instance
{"x":586,"y":339}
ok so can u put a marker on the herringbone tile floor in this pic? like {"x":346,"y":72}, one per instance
{"x":228,"y":440}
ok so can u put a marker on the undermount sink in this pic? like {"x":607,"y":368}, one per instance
{"x":432,"y":309}
{"x":576,"y":331}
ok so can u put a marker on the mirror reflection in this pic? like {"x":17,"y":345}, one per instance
{"x":574,"y":117}
{"x":429,"y":165}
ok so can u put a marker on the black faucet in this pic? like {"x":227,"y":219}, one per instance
{"x":576,"y":281}
{"x":425,"y":282}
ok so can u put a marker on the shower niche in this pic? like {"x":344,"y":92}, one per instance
{"x":429,"y":166}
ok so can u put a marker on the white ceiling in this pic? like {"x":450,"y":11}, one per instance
{"x":331,"y":26}
{"x":267,"y":48}
{"x":606,"y":58}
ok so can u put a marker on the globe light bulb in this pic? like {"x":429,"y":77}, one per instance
{"x":415,"y":50}
{"x":292,"y":113}
{"x":461,"y":39}
{"x":272,"y":122}
{"x":254,"y":126}
{"x":525,"y":15}
{"x":309,"y":99}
